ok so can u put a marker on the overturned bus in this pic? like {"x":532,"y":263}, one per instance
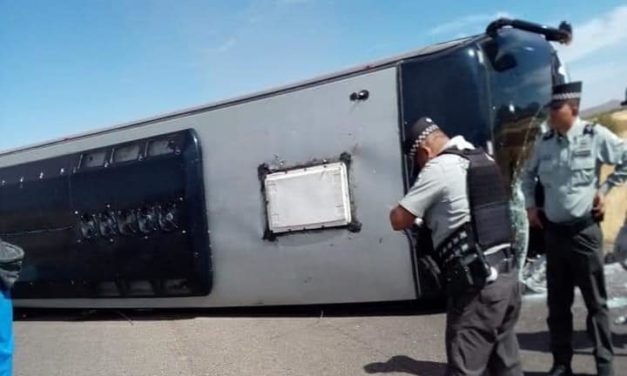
{"x":276,"y":198}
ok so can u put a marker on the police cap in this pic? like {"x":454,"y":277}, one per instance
{"x":418,"y":132}
{"x":565,"y":92}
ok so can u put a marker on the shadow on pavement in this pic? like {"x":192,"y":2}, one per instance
{"x":539,"y":341}
{"x":405,"y":364}
{"x":402,"y":363}
{"x":422,"y":307}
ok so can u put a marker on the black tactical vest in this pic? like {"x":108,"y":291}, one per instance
{"x":490,"y":223}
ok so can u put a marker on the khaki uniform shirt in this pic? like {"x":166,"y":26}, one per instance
{"x":568,"y":167}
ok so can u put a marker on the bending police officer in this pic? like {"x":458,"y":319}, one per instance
{"x":460,"y":195}
{"x":567,"y":161}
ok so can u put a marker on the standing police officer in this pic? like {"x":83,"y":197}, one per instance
{"x":461,"y":197}
{"x":567,"y":160}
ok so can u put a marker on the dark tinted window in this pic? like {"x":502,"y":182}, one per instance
{"x":450,"y":88}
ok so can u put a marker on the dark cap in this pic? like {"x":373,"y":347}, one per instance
{"x":418,"y":132}
{"x":565,"y":92}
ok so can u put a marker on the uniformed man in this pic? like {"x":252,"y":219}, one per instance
{"x":567,"y":160}
{"x":472,"y":244}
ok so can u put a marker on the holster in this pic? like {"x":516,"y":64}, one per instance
{"x":466,"y":273}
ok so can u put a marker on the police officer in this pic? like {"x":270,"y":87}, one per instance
{"x":566,"y":160}
{"x":472,"y":247}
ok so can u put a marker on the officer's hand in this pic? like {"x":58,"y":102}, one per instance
{"x":534,"y":217}
{"x":598,"y":206}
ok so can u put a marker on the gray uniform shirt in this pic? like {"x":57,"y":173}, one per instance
{"x":568,"y":168}
{"x":439,"y":195}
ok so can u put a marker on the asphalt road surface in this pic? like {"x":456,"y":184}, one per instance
{"x":358,"y":340}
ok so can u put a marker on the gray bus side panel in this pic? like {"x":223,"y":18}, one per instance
{"x":291,"y":129}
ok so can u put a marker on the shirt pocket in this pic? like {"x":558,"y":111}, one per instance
{"x":583,"y":171}
{"x":546,"y":171}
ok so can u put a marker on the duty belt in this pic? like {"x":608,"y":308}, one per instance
{"x":456,"y":245}
{"x":571,"y":228}
{"x":501,"y":260}
{"x":461,"y":243}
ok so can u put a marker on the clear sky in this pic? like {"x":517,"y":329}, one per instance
{"x":73,"y":65}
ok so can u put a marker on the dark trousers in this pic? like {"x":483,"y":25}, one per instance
{"x":575,"y":259}
{"x":480,"y":334}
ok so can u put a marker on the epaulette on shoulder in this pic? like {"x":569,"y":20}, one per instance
{"x":548,"y":135}
{"x":589,"y":129}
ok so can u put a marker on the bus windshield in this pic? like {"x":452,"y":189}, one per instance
{"x":521,"y":72}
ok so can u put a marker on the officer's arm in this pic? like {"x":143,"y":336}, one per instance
{"x":401,"y":219}
{"x":428,"y":188}
{"x":529,"y":174}
{"x":612,"y":150}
